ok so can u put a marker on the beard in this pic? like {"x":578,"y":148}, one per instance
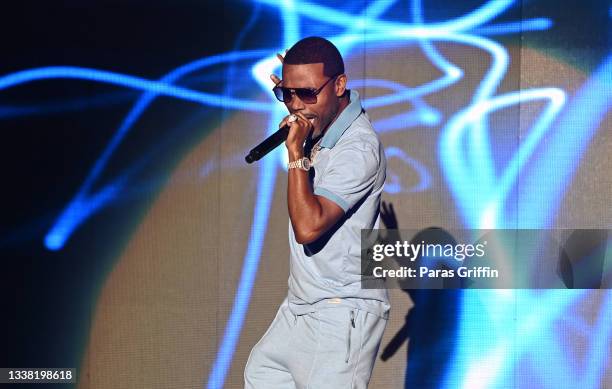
{"x":333,"y":114}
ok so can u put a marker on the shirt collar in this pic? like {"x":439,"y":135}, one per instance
{"x":343,"y":121}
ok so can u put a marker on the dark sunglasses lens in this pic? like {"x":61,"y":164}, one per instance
{"x":285,"y":95}
{"x":280,"y":95}
{"x":306,"y":95}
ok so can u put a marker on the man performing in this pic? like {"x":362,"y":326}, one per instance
{"x":327,"y":332}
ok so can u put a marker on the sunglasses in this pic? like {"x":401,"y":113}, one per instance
{"x":307,"y":95}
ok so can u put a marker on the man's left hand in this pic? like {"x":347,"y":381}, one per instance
{"x":299,"y":129}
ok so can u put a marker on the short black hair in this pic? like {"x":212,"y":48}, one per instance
{"x":315,"y":49}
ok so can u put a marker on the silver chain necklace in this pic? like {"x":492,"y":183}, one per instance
{"x":315,"y":150}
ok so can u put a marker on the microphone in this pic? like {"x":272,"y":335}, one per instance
{"x":268,"y":145}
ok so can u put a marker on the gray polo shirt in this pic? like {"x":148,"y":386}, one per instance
{"x":349,"y":170}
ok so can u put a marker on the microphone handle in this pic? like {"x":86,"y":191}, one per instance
{"x":271,"y":142}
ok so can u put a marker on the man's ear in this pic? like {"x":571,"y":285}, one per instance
{"x":340,"y":85}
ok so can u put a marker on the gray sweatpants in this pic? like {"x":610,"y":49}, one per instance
{"x":334,"y":347}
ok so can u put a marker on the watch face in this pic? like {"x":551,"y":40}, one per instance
{"x":306,"y":163}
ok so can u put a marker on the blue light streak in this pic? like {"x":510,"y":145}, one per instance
{"x":423,"y":114}
{"x":160,"y":88}
{"x":537,"y":24}
{"x":79,"y":210}
{"x":484,"y":92}
{"x":511,"y":312}
{"x":598,"y":355}
{"x":480,"y":193}
{"x":460,"y":174}
{"x":394,"y":185}
{"x":81,"y":206}
{"x":332,"y":16}
{"x":576,"y":128}
{"x":348,"y":39}
{"x":265,"y":190}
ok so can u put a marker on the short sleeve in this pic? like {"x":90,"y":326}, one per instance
{"x":349,"y":175}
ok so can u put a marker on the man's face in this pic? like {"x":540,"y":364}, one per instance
{"x":322,"y":113}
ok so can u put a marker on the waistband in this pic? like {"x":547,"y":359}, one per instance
{"x":375,"y":307}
